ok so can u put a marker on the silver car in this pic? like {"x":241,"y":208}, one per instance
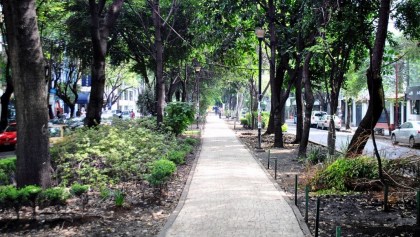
{"x":408,"y":132}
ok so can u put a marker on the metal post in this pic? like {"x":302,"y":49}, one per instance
{"x":318,"y":202}
{"x":259,"y":92}
{"x":338,"y":231}
{"x":306,"y":203}
{"x":275,"y":169}
{"x":386,"y":198}
{"x":198,"y":99}
{"x":418,"y":208}
{"x":296,"y":186}
{"x":268,"y":160}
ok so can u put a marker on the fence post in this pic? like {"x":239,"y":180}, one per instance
{"x":275,"y":169}
{"x":338,"y":231}
{"x":296,"y":186}
{"x":306,"y":202}
{"x":268,"y":159}
{"x":318,"y":201}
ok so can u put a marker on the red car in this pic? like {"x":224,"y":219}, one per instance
{"x":8,"y":137}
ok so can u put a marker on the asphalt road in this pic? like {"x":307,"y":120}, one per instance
{"x":6,"y":152}
{"x":385,"y":147}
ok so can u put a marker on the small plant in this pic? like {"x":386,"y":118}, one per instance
{"x":161,"y":171}
{"x":29,"y":196}
{"x":7,"y":168}
{"x":178,"y":157}
{"x":10,"y":197}
{"x":81,"y":192}
{"x":56,"y":196}
{"x":315,"y":156}
{"x":105,"y":193}
{"x":191,"y":141}
{"x":119,"y":198}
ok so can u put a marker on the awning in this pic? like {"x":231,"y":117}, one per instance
{"x":83,"y":98}
{"x":413,"y":93}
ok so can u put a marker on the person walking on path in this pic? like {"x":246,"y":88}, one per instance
{"x":229,"y":194}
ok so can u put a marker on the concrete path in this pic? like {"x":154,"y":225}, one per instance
{"x":230,"y":194}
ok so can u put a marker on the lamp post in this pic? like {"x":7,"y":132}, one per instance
{"x":197,"y":68}
{"x":396,"y":95}
{"x":260,"y":35}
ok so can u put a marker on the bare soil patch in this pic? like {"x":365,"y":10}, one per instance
{"x":359,"y":214}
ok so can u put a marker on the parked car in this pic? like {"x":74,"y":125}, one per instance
{"x":316,"y":116}
{"x":8,"y":136}
{"x":324,"y":122}
{"x":408,"y":132}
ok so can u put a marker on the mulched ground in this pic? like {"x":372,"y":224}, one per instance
{"x":144,"y":212}
{"x":144,"y":215}
{"x":359,"y":214}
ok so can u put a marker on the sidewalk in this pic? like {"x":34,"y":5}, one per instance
{"x":229,"y":194}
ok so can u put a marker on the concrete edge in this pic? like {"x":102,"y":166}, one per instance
{"x":303,"y":226}
{"x":170,"y":221}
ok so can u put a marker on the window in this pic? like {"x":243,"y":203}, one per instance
{"x":415,"y":107}
{"x":125,"y":95}
{"x":131,"y":95}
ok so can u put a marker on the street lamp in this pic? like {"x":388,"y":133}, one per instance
{"x":197,"y":69}
{"x":259,"y":32}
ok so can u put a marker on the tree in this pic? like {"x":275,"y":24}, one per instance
{"x":103,"y":19}
{"x":374,"y":82}
{"x":119,"y":79}
{"x":28,"y":73}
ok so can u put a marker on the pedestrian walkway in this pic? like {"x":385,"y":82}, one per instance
{"x":230,"y":194}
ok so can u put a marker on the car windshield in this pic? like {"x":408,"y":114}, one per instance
{"x":10,"y":128}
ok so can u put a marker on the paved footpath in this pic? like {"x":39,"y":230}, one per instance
{"x":230,"y":194}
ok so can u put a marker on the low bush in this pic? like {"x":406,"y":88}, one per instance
{"x":56,"y":196}
{"x":244,"y":122}
{"x":178,"y":157}
{"x":178,"y":116}
{"x":191,"y":141}
{"x":7,"y":169}
{"x":110,"y":154}
{"x":343,"y":173}
{"x":78,"y":189}
{"x":161,"y":171}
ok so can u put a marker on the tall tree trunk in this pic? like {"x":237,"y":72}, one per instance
{"x":299,"y":107}
{"x":374,"y":81}
{"x":5,"y":98}
{"x":160,"y":84}
{"x":28,"y":72}
{"x":101,"y":26}
{"x":349,"y":113}
{"x":309,"y":98}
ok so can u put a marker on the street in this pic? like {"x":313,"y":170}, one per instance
{"x":385,"y":147}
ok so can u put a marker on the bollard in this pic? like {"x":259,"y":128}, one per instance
{"x":386,"y":198}
{"x":418,"y":208}
{"x":268,"y":159}
{"x":338,"y":231}
{"x":318,"y":201}
{"x":306,"y":202}
{"x":275,"y":169}
{"x":296,"y":186}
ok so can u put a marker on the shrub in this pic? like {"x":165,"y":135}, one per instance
{"x":178,"y":116}
{"x":110,"y":154}
{"x":178,"y":157}
{"x":191,"y":141}
{"x":244,"y":122}
{"x":7,"y":168}
{"x":284,"y":127}
{"x":119,"y":198}
{"x":78,"y":189}
{"x":56,"y":196}
{"x":29,"y":196}
{"x":161,"y":171}
{"x":341,"y":173}
{"x":265,"y":117}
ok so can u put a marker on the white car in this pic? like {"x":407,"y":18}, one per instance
{"x":316,"y":116}
{"x":408,"y":132}
{"x":324,"y":122}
